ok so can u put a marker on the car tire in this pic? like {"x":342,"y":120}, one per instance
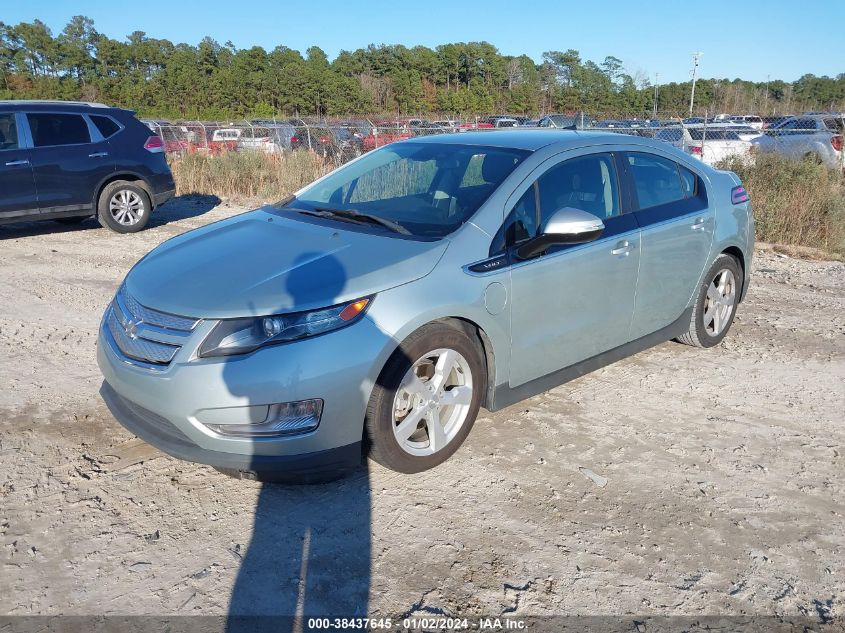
{"x":715,"y":304}
{"x":124,"y":207}
{"x":398,"y":398}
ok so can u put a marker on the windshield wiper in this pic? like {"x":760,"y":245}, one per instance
{"x":361,"y":218}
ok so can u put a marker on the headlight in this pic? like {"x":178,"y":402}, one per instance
{"x":240,"y":336}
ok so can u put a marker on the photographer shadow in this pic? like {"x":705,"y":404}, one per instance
{"x":310,"y":548}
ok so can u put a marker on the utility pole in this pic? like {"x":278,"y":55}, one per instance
{"x":656,"y":91}
{"x":695,"y":57}
{"x":766,"y":94}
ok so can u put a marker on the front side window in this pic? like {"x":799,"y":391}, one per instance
{"x":587,"y":183}
{"x":8,"y":132}
{"x":49,"y":129}
{"x":428,"y":189}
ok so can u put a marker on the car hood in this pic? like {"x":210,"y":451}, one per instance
{"x":265,"y":262}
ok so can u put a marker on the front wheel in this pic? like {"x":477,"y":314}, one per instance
{"x":426,"y":399}
{"x":715,"y":304}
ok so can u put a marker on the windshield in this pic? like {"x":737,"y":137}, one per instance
{"x":427,"y":189}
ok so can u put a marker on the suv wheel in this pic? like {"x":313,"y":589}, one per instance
{"x":123,"y":207}
{"x":426,"y":399}
{"x":715,"y":305}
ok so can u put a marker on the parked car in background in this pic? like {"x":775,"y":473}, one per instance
{"x":67,"y":161}
{"x":751,"y":121}
{"x":385,"y":132}
{"x":565,"y":121}
{"x":269,"y":138}
{"x":816,"y":137}
{"x":710,"y":144}
{"x":223,"y":140}
{"x":378,"y":308}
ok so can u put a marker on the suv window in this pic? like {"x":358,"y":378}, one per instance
{"x":8,"y":132}
{"x":106,"y":125}
{"x":58,"y":129}
{"x":656,"y":180}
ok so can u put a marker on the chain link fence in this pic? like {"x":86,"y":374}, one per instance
{"x":816,"y":136}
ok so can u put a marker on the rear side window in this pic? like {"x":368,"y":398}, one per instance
{"x":8,"y":132}
{"x":106,"y":125}
{"x":49,"y":129}
{"x":656,"y":180}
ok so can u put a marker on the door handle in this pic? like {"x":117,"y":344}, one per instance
{"x":698,"y":224}
{"x":15,"y":163}
{"x":623,"y":248}
{"x":98,"y":155}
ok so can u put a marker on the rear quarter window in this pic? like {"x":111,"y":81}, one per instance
{"x":105,"y":125}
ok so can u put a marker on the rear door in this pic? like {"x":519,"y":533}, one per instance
{"x":676,"y":225}
{"x":17,"y":183}
{"x":70,"y":158}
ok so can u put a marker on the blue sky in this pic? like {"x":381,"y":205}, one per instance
{"x":751,"y":39}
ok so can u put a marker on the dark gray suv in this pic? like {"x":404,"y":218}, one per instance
{"x":67,"y":161}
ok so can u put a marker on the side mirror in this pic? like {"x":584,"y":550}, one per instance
{"x":566,"y":226}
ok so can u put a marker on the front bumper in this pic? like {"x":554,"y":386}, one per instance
{"x":167,"y":406}
{"x":157,"y":431}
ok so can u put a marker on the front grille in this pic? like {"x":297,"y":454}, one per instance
{"x":143,"y":335}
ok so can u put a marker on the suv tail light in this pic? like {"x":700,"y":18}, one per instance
{"x":836,"y":142}
{"x":739,"y":195}
{"x":695,"y":150}
{"x":154,"y":144}
{"x":324,"y":139}
{"x":294,"y":139}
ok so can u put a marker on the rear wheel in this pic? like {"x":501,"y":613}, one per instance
{"x":426,"y":399}
{"x":715,"y":305}
{"x":124,"y":207}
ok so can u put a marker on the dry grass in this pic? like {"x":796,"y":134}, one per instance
{"x":799,"y":203}
{"x":251,"y":175}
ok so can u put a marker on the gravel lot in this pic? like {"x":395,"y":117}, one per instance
{"x":724,"y":475}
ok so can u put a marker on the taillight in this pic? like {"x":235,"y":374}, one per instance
{"x":154,"y":144}
{"x":695,"y":150}
{"x":739,"y":195}
{"x":836,"y":142}
{"x":324,"y":139}
{"x":294,"y":139}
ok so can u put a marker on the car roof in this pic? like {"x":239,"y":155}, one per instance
{"x":46,"y":105}
{"x":532,"y":139}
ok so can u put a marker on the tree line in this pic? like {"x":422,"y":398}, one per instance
{"x":159,"y":78}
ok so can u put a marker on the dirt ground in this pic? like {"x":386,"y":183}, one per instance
{"x":723,"y":473}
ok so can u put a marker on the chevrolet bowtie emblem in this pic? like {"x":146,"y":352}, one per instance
{"x":131,"y":328}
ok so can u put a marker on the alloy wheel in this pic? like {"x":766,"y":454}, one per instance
{"x":126,"y":207}
{"x":432,"y":402}
{"x":720,"y":301}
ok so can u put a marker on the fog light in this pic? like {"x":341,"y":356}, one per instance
{"x":287,"y":418}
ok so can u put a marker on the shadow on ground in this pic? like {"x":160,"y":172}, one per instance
{"x":178,"y":208}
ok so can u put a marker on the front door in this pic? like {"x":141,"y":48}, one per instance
{"x":572,"y":302}
{"x":17,"y":183}
{"x":68,"y":161}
